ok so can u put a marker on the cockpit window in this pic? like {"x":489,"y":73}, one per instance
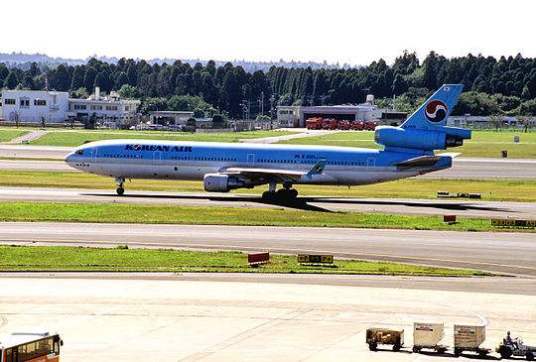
{"x":80,"y":152}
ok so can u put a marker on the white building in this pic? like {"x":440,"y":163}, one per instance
{"x":29,"y":106}
{"x":110,"y":108}
{"x":34,"y":106}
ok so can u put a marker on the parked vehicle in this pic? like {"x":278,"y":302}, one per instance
{"x":428,"y":336}
{"x":515,"y":348}
{"x":469,"y":338}
{"x":377,"y":336}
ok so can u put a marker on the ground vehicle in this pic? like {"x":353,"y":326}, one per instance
{"x":357,"y":125}
{"x":376,"y":336}
{"x":344,"y":125}
{"x":30,"y":347}
{"x":314,"y":123}
{"x":428,"y":336}
{"x":329,"y":123}
{"x":469,"y":338}
{"x":515,"y":347}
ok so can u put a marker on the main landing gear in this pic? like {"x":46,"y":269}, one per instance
{"x":287,"y":193}
{"x":120,"y":182}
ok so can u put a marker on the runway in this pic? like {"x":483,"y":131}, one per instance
{"x":510,"y":253}
{"x":463,"y":167}
{"x":468,"y":208}
{"x":205,"y":318}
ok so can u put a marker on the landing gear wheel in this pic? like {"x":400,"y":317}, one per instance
{"x":529,"y":356}
{"x":416,"y":349}
{"x":120,"y":191}
{"x":268,"y":195}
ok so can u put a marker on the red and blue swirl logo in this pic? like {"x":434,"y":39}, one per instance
{"x":436,"y":111}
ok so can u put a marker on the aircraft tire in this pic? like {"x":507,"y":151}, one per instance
{"x":120,"y":191}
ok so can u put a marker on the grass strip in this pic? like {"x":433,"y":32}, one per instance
{"x":59,"y":258}
{"x":166,"y":214}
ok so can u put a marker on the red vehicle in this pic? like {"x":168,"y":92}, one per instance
{"x":357,"y":125}
{"x":30,"y":347}
{"x":369,"y":125}
{"x":329,"y":123}
{"x":344,"y":125}
{"x":314,"y":123}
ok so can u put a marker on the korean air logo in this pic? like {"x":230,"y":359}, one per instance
{"x":436,"y":111}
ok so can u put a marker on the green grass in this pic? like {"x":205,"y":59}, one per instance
{"x":78,"y":137}
{"x":483,"y":143}
{"x":7,"y":135}
{"x":165,"y":214}
{"x":496,"y":190}
{"x":58,"y":258}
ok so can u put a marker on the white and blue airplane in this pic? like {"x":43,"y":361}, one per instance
{"x":408,"y":151}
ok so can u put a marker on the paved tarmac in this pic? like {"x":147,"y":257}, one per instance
{"x":469,"y":208}
{"x":463,"y":168}
{"x":508,"y":253}
{"x":136,"y":318}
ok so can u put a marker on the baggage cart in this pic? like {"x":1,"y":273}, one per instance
{"x":469,"y":338}
{"x":428,"y":336}
{"x":377,"y":336}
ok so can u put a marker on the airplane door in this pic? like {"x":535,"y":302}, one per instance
{"x":93,"y":154}
{"x":251,"y":158}
{"x":371,"y":162}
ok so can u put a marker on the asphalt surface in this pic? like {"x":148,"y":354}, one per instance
{"x":508,"y":253}
{"x":484,"y":209}
{"x":134,"y":318}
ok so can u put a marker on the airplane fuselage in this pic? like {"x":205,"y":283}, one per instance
{"x":147,"y":159}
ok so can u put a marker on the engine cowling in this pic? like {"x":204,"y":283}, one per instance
{"x":419,"y":139}
{"x":216,"y":182}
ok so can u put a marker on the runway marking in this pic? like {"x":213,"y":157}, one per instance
{"x":285,"y":251}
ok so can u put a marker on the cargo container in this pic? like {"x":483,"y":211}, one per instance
{"x":428,"y":336}
{"x":376,"y":336}
{"x":469,"y":338}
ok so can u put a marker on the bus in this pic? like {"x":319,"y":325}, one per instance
{"x":30,"y":347}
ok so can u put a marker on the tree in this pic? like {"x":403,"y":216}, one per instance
{"x":218,"y":121}
{"x":199,"y":113}
{"x":129,"y":92}
{"x":77,"y":80}
{"x":121,"y":80}
{"x":89,"y":78}
{"x":11,"y":81}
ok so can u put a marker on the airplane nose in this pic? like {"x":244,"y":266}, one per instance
{"x":69,"y":159}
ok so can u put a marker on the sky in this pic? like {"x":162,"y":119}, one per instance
{"x":344,"y":31}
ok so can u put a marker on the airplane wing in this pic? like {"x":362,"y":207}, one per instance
{"x":282,"y":175}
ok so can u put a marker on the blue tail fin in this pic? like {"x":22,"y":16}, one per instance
{"x":435,"y":111}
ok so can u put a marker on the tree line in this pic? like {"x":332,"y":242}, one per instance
{"x":494,"y":86}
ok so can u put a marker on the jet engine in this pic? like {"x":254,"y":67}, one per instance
{"x":216,"y":182}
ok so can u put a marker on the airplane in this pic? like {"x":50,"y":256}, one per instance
{"x":408,"y":150}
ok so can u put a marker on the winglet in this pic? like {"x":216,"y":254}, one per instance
{"x":318,"y":168}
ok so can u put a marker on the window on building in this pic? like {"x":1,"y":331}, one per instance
{"x":111,"y":108}
{"x":80,"y":107}
{"x":10,"y":101}
{"x":40,"y":102}
{"x":96,"y":108}
{"x":24,"y":103}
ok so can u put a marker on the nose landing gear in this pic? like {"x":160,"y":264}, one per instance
{"x":120,"y":182}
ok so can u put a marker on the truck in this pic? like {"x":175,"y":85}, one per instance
{"x":376,"y":336}
{"x":469,"y":338}
{"x":428,"y":336}
{"x":516,"y":348}
{"x":314,"y":123}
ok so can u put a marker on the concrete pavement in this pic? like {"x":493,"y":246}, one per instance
{"x":132,"y":319}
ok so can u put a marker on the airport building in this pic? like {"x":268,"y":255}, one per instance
{"x":295,"y":116}
{"x":30,"y":106}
